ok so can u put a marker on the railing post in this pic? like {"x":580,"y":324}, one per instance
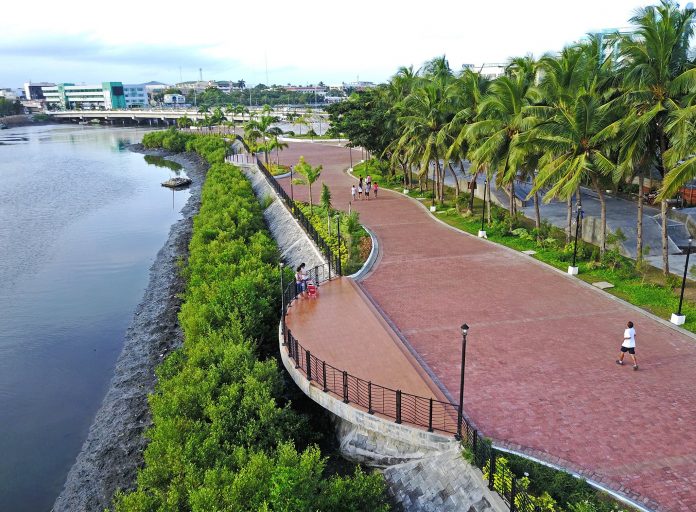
{"x":513,"y":492}
{"x":309,"y":365}
{"x":430,"y":416}
{"x":369,"y":398}
{"x":297,"y":353}
{"x":345,"y":387}
{"x":323,"y":375}
{"x":398,"y":406}
{"x":491,"y":472}
{"x":288,"y":335}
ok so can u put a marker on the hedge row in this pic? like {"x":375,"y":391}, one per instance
{"x":221,"y":437}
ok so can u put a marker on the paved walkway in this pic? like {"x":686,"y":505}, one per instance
{"x":540,"y":375}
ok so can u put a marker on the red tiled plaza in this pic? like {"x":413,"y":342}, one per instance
{"x":540,"y":374}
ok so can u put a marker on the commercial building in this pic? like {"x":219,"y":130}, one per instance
{"x":33,"y":91}
{"x":107,"y":95}
{"x":135,"y":95}
{"x":174,"y":99}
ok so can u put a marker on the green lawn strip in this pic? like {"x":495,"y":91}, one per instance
{"x":352,"y":235}
{"x":644,"y":290}
{"x":223,"y":437}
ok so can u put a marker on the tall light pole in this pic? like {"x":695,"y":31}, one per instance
{"x":460,"y":411}
{"x":350,"y":152}
{"x":292,"y":197}
{"x":678,"y":318}
{"x":482,"y":231}
{"x":573,"y":269}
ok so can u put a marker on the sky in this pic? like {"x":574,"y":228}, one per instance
{"x":280,"y":42}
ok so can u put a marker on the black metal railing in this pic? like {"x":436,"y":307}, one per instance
{"x":332,"y":259}
{"x":400,"y":407}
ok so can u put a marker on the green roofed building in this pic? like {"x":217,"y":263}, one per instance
{"x":107,"y":95}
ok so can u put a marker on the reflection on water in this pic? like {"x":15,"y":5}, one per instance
{"x":163,"y":162}
{"x":82,"y":220}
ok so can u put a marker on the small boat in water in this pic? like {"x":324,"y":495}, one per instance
{"x":177,"y":182}
{"x":3,"y":126}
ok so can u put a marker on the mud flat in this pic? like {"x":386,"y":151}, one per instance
{"x":113,"y":450}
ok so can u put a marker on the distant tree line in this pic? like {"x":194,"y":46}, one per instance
{"x":10,"y":108}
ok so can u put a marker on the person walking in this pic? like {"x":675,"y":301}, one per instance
{"x":360,"y":188}
{"x":367,"y":191}
{"x":352,"y":192}
{"x":375,"y":188}
{"x":628,"y":345}
{"x":368,"y":181}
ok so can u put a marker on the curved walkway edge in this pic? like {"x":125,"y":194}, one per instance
{"x":540,"y":373}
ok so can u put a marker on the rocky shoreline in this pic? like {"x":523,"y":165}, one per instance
{"x":113,"y":450}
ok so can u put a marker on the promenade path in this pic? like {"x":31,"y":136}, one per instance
{"x":540,"y":374}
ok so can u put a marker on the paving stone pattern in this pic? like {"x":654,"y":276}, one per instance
{"x":540,"y":375}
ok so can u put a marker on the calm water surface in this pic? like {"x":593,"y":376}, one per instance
{"x":81,"y":221}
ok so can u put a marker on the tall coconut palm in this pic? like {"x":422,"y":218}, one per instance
{"x":500,"y":121}
{"x":425,"y":112}
{"x":656,"y":79}
{"x":472,"y":88}
{"x":577,"y":146}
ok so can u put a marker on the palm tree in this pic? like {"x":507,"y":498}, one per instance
{"x":424,"y":113}
{"x":577,"y":145}
{"x":275,"y":132}
{"x":501,"y":119}
{"x":657,"y":79}
{"x":472,"y":88}
{"x":261,"y":129}
{"x":310,"y":175}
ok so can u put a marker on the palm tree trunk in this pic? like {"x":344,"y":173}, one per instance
{"x":487,"y":190}
{"x":665,"y":250}
{"x":569,"y":218}
{"x":471,"y":191}
{"x":537,"y":213}
{"x":639,"y":226}
{"x":663,"y":206}
{"x":310,"y":199}
{"x":456,"y":181}
{"x":603,"y":216}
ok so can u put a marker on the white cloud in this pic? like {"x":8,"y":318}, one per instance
{"x":300,"y":42}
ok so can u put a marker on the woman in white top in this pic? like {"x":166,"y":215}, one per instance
{"x":628,"y":345}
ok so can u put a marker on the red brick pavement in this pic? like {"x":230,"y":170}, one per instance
{"x":540,"y":373}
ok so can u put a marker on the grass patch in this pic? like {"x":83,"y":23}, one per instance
{"x":355,"y":241}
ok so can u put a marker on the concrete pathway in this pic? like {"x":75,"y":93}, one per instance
{"x":540,"y":375}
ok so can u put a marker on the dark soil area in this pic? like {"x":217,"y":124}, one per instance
{"x":113,"y":450}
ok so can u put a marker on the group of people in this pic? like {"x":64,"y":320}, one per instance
{"x":365,"y":187}
{"x":301,"y":279}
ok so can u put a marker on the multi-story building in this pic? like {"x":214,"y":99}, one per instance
{"x":33,"y":91}
{"x":107,"y":95}
{"x":174,"y":99}
{"x":136,"y":95}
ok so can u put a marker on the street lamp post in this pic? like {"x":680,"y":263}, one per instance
{"x":573,"y":269}
{"x":292,"y":196}
{"x":460,"y":410}
{"x":678,"y":318}
{"x":350,"y":152}
{"x":339,"y":268}
{"x":482,"y":231}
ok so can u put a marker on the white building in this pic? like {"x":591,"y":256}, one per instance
{"x":174,"y":99}
{"x":136,"y":95}
{"x":8,"y":94}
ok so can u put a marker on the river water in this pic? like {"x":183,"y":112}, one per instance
{"x":81,"y":221}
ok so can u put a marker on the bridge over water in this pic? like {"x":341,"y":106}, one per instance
{"x":163,"y":116}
